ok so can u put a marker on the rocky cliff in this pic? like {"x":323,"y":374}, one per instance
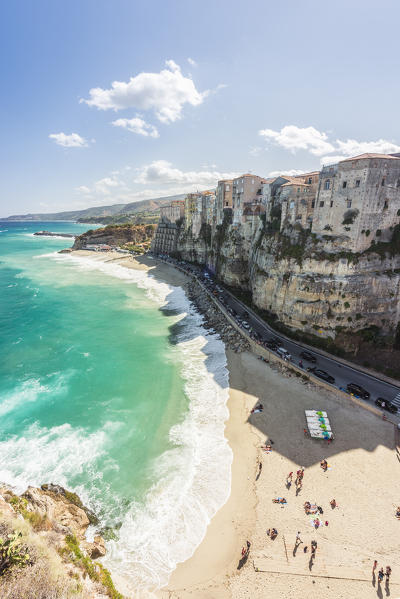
{"x":116,"y":235}
{"x":309,"y":287}
{"x":43,"y":550}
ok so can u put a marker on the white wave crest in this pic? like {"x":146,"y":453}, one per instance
{"x":30,"y":391}
{"x":58,"y":454}
{"x":194,"y":477}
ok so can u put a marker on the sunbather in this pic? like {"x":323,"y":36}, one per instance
{"x":279,"y":500}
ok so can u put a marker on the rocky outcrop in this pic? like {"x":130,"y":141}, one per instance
{"x":64,"y":516}
{"x":52,"y":523}
{"x":116,"y":235}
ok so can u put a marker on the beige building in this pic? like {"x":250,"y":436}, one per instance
{"x":173,"y":211}
{"x":297,"y":198}
{"x":223,"y":199}
{"x":246,"y":189}
{"x":190,"y":208}
{"x":359,"y":200}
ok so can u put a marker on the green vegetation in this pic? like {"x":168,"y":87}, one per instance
{"x":349,"y":217}
{"x":95,"y":571}
{"x":391,"y":248}
{"x":12,"y":552}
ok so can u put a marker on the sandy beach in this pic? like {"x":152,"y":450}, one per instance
{"x":362,"y":477}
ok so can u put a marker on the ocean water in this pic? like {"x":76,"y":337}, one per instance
{"x":111,"y":387}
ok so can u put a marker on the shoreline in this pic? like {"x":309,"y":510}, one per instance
{"x":363,"y":462}
{"x":219,"y":545}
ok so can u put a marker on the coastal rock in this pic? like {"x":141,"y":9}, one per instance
{"x":116,"y":235}
{"x":96,"y":549}
{"x":65,"y":516}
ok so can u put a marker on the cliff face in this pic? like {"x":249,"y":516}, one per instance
{"x":116,"y":235}
{"x":308,"y":283}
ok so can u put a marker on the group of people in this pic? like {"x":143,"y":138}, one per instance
{"x":381,"y":573}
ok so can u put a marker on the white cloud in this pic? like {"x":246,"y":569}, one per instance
{"x":165,"y":93}
{"x":290,"y":173}
{"x":104,"y":185}
{"x":137,"y":125}
{"x":192,"y":62}
{"x":162,"y":172}
{"x":69,"y":141}
{"x":83,"y":189}
{"x":295,"y":138}
{"x":351,"y":147}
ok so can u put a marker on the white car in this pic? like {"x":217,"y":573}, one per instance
{"x":283,"y":353}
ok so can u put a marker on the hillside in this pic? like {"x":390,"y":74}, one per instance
{"x":150,"y":205}
{"x":129,"y":236}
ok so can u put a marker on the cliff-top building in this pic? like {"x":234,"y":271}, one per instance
{"x":223,"y":199}
{"x":173,"y":212}
{"x":359,"y":200}
{"x":246,"y":189}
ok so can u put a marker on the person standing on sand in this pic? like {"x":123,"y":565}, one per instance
{"x":380,"y":575}
{"x":388,"y":572}
{"x":374,"y":566}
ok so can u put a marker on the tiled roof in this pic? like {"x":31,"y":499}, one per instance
{"x":296,"y":184}
{"x":366,"y":155}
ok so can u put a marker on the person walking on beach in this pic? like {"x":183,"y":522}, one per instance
{"x":246,"y":550}
{"x":259,"y":470}
{"x":374,"y":566}
{"x":298,"y":539}
{"x":388,"y":572}
{"x":380,"y":575}
{"x":313,"y":549}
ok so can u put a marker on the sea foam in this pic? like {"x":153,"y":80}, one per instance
{"x":193,"y":479}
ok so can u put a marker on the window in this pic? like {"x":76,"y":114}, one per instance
{"x":291,"y":205}
{"x":358,"y":183}
{"x":309,"y":180}
{"x":344,"y":185}
{"x":327,"y":184}
{"x":313,"y":204}
{"x":321,"y":204}
{"x":348,"y":203}
{"x":383,"y":182}
{"x":386,"y":205}
{"x":227,"y":187}
{"x":331,"y":203}
{"x":398,"y":182}
{"x":252,"y":181}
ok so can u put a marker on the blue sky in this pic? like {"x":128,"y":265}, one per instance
{"x":269,"y":87}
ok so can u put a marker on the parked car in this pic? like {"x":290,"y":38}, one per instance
{"x":358,"y":390}
{"x":321,"y":374}
{"x":307,"y":356}
{"x":283,"y":353}
{"x":271,"y":345}
{"x":386,"y":405}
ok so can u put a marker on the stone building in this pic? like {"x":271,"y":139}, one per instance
{"x":223,"y":199}
{"x":297,"y":198}
{"x":246,"y":189}
{"x":173,"y":211}
{"x":190,"y":208}
{"x":358,"y":200}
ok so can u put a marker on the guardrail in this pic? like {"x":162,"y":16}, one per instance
{"x":272,"y":357}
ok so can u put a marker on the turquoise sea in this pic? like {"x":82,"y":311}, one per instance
{"x":111,"y":387}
